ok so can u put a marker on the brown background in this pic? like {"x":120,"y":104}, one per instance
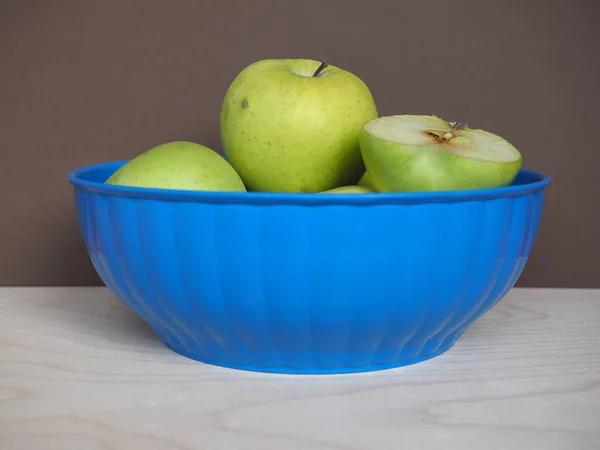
{"x":83,"y":82}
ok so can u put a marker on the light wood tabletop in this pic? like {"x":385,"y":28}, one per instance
{"x":79,"y":371}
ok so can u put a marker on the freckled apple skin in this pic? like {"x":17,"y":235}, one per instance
{"x":179,"y":165}
{"x":286,"y":131}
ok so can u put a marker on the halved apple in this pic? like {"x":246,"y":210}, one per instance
{"x":426,"y":153}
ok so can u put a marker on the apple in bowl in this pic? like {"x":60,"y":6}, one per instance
{"x":292,"y":125}
{"x":409,"y":153}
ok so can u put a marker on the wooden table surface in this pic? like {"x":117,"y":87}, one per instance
{"x":78,"y":371}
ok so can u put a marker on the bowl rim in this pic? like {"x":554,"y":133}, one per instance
{"x":76,"y":177}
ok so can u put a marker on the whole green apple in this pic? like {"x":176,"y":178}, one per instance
{"x":179,"y":165}
{"x":292,"y":125}
{"x":426,"y":153}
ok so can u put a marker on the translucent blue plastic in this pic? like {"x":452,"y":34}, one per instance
{"x":308,"y":283}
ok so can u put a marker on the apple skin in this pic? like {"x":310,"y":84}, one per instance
{"x":393,"y":167}
{"x":365,"y":181}
{"x":286,"y":131}
{"x":349,"y":190}
{"x":179,"y":165}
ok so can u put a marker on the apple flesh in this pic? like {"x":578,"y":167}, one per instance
{"x":426,"y":153}
{"x":292,"y":125}
{"x":179,"y":165}
{"x":349,"y":190}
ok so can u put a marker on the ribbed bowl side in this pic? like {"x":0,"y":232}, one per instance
{"x":308,"y":289}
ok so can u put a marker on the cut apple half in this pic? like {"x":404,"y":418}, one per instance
{"x":426,"y":153}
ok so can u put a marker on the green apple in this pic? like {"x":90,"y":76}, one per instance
{"x":292,"y":125}
{"x":426,"y":153}
{"x":179,"y":165}
{"x":366,"y":181}
{"x":349,"y":190}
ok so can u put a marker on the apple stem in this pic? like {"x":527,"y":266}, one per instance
{"x":458,"y":125}
{"x":448,"y":135}
{"x":320,"y":69}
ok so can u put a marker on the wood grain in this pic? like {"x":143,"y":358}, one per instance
{"x":79,"y":371}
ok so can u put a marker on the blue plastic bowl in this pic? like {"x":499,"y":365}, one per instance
{"x":308,"y":283}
